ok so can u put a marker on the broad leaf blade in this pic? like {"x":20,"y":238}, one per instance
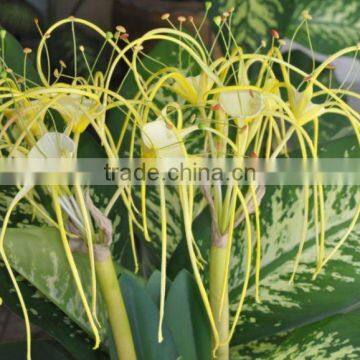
{"x":336,"y":337}
{"x":187,"y":320}
{"x":47,"y":316}
{"x":38,"y":255}
{"x":144,"y":320}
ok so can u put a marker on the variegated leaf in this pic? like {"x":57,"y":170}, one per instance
{"x":37,"y":254}
{"x":334,"y":338}
{"x":50,"y":318}
{"x":287,"y":306}
{"x":334,"y":25}
{"x":252,"y":20}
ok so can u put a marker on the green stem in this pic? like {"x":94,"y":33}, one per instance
{"x":111,"y":291}
{"x":217,"y":270}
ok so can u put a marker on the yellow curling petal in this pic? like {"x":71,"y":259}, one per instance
{"x":303,"y":108}
{"x":163,"y":140}
{"x":242,"y":104}
{"x":192,"y":88}
{"x":26,"y":113}
{"x":77,"y":110}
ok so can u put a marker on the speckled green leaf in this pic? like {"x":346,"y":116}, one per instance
{"x":334,"y":25}
{"x":252,"y":20}
{"x":37,"y":254}
{"x":334,"y":338}
{"x":49,"y":317}
{"x":287,"y":306}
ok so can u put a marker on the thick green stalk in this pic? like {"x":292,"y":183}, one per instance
{"x":111,"y":292}
{"x":221,"y":313}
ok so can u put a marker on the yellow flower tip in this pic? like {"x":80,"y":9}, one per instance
{"x":62,"y":64}
{"x":1,"y":301}
{"x":27,"y":51}
{"x":121,"y":29}
{"x":56,"y":73}
{"x":109,"y":35}
{"x":97,"y":343}
{"x":165,"y":16}
{"x":306,"y":15}
{"x":139,"y":48}
{"x":81,"y":48}
{"x":36,"y":21}
{"x":160,"y":338}
{"x":181,"y":19}
{"x":208,"y":5}
{"x":263,"y":43}
{"x":2,"y":34}
{"x":217,"y":20}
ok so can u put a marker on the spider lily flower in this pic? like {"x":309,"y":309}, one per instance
{"x":77,"y":111}
{"x":162,"y":140}
{"x":242,"y":104}
{"x":303,"y":108}
{"x":53,"y":145}
{"x":192,"y":88}
{"x":25,"y":114}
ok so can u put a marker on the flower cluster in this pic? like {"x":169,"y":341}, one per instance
{"x":237,"y":105}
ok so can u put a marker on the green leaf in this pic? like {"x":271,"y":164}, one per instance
{"x":331,"y":338}
{"x":187,"y":320}
{"x":38,"y":255}
{"x":47,"y":316}
{"x":287,"y":306}
{"x":144,"y":320}
{"x":13,"y":55}
{"x":153,"y":286}
{"x":252,"y":20}
{"x":186,"y":328}
{"x":334,"y":25}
